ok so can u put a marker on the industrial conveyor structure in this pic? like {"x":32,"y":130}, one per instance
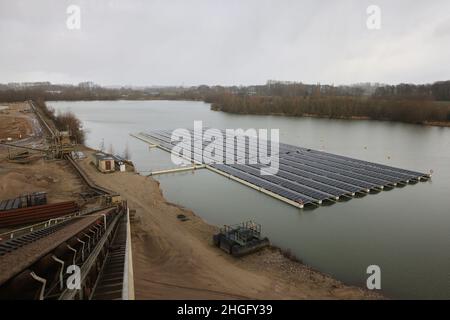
{"x":38,"y":263}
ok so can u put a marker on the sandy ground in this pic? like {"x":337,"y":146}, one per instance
{"x":177,"y":260}
{"x":57,"y":178}
{"x":15,"y":121}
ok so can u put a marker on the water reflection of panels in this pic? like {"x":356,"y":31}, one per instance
{"x":304,"y":176}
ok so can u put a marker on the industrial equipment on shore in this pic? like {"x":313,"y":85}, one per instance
{"x":241,"y":239}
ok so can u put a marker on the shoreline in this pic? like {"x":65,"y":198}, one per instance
{"x":425,"y":123}
{"x":353,"y":118}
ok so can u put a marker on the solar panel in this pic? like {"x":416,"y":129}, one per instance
{"x":348,"y":168}
{"x":351,"y":174}
{"x":329,"y":157}
{"x":382,"y":166}
{"x":339,"y":177}
{"x":289,"y":194}
{"x":316,"y":177}
{"x":304,"y":176}
{"x":284,"y":183}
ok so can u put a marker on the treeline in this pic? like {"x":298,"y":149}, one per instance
{"x":65,"y":121}
{"x":438,"y":91}
{"x":69,"y":94}
{"x":402,"y":110}
{"x":281,"y":89}
{"x":409,"y":103}
{"x":403,"y":102}
{"x":84,"y":91}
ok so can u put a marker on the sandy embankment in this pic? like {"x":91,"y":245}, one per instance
{"x":177,"y":260}
{"x":57,"y":178}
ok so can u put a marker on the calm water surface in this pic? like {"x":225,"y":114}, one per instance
{"x":405,"y":231}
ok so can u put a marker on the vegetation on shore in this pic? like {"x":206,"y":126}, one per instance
{"x":421,"y":104}
{"x":401,"y":110}
{"x":64,"y":121}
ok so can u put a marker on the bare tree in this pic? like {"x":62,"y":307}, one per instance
{"x":126,"y":152}
{"x":111,"y":149}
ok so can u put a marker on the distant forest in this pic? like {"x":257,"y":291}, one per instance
{"x":404,"y":103}
{"x":425,"y":103}
{"x":52,"y":92}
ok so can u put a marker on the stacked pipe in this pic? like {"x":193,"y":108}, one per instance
{"x":36,"y":213}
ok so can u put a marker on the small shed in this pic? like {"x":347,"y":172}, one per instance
{"x":97,"y":156}
{"x":104,"y":163}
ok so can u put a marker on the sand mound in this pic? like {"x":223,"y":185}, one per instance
{"x":14,"y":184}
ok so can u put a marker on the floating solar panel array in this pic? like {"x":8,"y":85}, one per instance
{"x":304,"y":177}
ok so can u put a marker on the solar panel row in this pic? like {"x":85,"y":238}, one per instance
{"x":355,"y":172}
{"x":385,"y":172}
{"x":373,"y":164}
{"x":360,"y":168}
{"x":313,"y":193}
{"x":355,"y":182}
{"x":288,"y":194}
{"x":304,"y":176}
{"x":364,"y":166}
{"x":324,"y":188}
{"x":166,"y":135}
{"x":294,"y":173}
{"x":239,"y":152}
{"x":330,"y":189}
{"x":314,"y":164}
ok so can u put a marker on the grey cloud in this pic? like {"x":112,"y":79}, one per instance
{"x":223,"y":42}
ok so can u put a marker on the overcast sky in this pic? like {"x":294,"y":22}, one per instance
{"x":190,"y":42}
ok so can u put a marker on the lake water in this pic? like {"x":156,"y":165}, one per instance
{"x":405,"y":231}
